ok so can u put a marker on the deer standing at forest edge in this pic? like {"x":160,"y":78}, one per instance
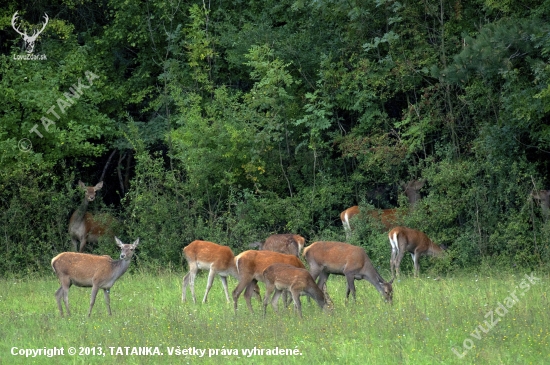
{"x":83,"y":227}
{"x":403,"y":239}
{"x":388,"y":217}
{"x":327,"y":257}
{"x":283,"y":277}
{"x":87,"y":270}
{"x":251,"y":265}
{"x":204,"y":255}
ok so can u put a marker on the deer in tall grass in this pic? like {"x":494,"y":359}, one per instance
{"x":204,"y":255}
{"x":387,"y":217}
{"x":291,"y":244}
{"x":283,"y":277}
{"x":403,"y":240}
{"x":251,"y":265}
{"x":83,"y":226}
{"x":87,"y":270}
{"x":329,"y":257}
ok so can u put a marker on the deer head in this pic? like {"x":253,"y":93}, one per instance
{"x":29,"y":40}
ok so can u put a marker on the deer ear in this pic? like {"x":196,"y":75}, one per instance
{"x":391,"y":281}
{"x":136,"y":242}
{"x":119,"y":242}
{"x":81,"y":184}
{"x":98,"y":186}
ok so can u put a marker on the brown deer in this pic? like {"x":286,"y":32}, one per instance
{"x":543,"y":196}
{"x":204,"y":255}
{"x":83,"y":226}
{"x":291,"y":244}
{"x":326,"y":257}
{"x":388,"y":217}
{"x":87,"y":270}
{"x":283,"y":277}
{"x":403,"y":239}
{"x":251,"y":265}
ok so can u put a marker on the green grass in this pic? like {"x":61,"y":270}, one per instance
{"x":428,"y":318}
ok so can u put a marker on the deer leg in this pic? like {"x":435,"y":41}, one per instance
{"x":415,"y":257}
{"x":95,"y":288}
{"x":351,"y":286}
{"x":323,"y":277}
{"x":224,"y":283}
{"x":82,"y":244}
{"x":268,"y":290}
{"x":107,"y":300}
{"x":276,"y":299}
{"x":398,"y":261}
{"x":75,"y":244}
{"x":248,"y":294}
{"x":184,"y":284}
{"x":211,"y":275}
{"x":238,"y":290}
{"x":297,"y":303}
{"x":58,"y":297}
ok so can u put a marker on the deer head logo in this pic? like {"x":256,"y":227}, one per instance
{"x":29,"y":40}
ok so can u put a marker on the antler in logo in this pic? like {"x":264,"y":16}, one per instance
{"x":29,"y":40}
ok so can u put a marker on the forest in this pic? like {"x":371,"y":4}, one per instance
{"x":229,"y":121}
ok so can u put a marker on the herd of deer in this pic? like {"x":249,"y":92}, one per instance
{"x":276,"y":263}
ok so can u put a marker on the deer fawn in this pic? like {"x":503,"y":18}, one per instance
{"x":87,"y":270}
{"x":251,"y":265}
{"x":282,"y":277}
{"x":291,"y":244}
{"x":204,"y":255}
{"x":83,"y":227}
{"x":325,"y":258}
{"x":403,"y":239}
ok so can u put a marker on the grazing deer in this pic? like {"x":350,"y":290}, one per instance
{"x":388,"y":217}
{"x":543,"y":196}
{"x":291,"y":244}
{"x":204,"y":255}
{"x":403,"y":239}
{"x":279,"y":277}
{"x":83,"y":226}
{"x":326,"y":257}
{"x":251,"y":265}
{"x":87,"y":270}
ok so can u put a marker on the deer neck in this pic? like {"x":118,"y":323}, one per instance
{"x":119,"y":267}
{"x":81,"y":210}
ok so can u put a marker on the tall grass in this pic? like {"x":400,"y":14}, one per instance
{"x":429,"y":318}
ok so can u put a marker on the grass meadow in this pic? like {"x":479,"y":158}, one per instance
{"x":429,"y":318}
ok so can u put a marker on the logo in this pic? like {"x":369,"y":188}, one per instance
{"x":29,"y":40}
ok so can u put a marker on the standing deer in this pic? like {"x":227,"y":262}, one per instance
{"x":543,"y":196}
{"x":83,"y":226}
{"x":291,"y":244}
{"x":326,"y":257}
{"x":251,"y":265}
{"x":204,"y":255}
{"x":403,"y":239}
{"x":388,"y":217}
{"x":283,"y":277}
{"x":87,"y":270}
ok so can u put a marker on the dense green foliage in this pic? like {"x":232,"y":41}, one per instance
{"x":229,"y":121}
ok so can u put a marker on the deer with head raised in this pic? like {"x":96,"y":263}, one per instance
{"x":251,"y":265}
{"x":204,"y":255}
{"x":388,"y":217}
{"x":87,"y":270}
{"x":328,"y":257}
{"x":283,"y":277}
{"x":403,"y":240}
{"x":83,"y":226}
{"x":291,"y":244}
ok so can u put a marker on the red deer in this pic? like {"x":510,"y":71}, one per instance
{"x":291,"y":244}
{"x":204,"y":255}
{"x":87,"y":270}
{"x":83,"y":226}
{"x":543,"y":196}
{"x":326,"y":257}
{"x":251,"y":265}
{"x":403,"y":239}
{"x":388,"y":217}
{"x":279,"y":277}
